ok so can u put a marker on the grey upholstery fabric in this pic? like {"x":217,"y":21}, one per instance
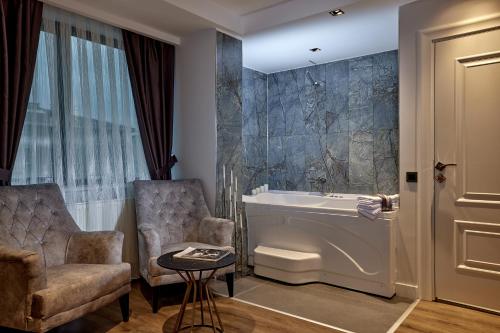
{"x":50,"y":269}
{"x":35,"y":218}
{"x":172,"y":214}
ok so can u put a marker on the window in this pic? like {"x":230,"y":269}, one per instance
{"x":81,"y":128}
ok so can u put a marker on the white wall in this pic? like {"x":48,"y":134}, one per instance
{"x":195,"y":132}
{"x":413,"y":17}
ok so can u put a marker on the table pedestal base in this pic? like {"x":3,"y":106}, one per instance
{"x":200,"y":288}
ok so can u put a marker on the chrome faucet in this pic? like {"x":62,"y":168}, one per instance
{"x":318,"y":182}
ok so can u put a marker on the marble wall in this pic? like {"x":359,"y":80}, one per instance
{"x":229,"y":181}
{"x":331,"y":127}
{"x":254,"y":162}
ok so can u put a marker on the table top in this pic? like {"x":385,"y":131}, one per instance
{"x":168,"y":261}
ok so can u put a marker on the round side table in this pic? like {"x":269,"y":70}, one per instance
{"x":188,"y":269}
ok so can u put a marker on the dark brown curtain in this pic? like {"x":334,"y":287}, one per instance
{"x":151,"y":67}
{"x":20,"y":22}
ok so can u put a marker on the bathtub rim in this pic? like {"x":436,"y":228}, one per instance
{"x":386,"y":215}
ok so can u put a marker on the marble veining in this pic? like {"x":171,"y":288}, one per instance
{"x":229,"y":179}
{"x":331,"y":127}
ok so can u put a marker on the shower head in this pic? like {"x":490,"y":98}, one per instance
{"x":314,"y":82}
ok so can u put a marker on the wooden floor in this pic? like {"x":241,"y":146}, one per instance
{"x":427,"y":317}
{"x":433,"y":317}
{"x":236,"y":317}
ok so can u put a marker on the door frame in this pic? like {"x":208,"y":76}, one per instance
{"x":426,"y":39}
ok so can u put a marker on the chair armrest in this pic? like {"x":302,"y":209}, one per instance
{"x":100,"y":247}
{"x":149,"y":241}
{"x":22,"y":273}
{"x":216,"y":231}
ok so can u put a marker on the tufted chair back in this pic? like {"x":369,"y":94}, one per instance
{"x":34,"y":217}
{"x":173,"y":208}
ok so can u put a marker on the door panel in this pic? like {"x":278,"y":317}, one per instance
{"x":467,"y":203}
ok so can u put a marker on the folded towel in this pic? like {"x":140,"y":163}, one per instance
{"x":370,"y":214}
{"x":368,"y":207}
{"x":371,"y":198}
{"x":371,"y":206}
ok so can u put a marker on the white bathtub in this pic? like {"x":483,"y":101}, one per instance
{"x":300,"y":237}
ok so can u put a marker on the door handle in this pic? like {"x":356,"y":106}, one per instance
{"x":441,"y":166}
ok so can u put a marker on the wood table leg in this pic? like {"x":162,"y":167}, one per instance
{"x":193,"y":281}
{"x":211,"y":299}
{"x":199,"y":288}
{"x":180,"y":315}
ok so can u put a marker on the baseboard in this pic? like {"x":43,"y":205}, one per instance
{"x":406,"y":290}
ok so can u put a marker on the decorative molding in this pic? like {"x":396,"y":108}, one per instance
{"x":114,"y":20}
{"x":425,"y":131}
{"x":461,"y":64}
{"x":463,"y":229}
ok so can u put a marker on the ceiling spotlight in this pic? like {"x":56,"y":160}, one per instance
{"x":336,"y":12}
{"x":315,"y":49}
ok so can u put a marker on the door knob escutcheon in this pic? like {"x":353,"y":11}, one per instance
{"x":440,"y":178}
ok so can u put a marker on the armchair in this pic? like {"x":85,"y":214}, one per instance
{"x":172,"y":215}
{"x":50,"y":271}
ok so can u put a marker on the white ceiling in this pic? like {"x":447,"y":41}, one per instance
{"x":367,"y":27}
{"x":276,"y":33}
{"x":245,"y":7}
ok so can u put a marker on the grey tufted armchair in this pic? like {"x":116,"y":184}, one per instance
{"x":172,"y":215}
{"x":50,"y":271}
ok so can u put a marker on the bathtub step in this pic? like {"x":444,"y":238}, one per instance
{"x":286,"y":260}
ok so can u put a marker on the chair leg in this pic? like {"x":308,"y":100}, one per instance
{"x":124,"y":306}
{"x":156,"y":291}
{"x":230,"y":283}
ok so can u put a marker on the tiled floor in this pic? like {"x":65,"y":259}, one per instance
{"x":342,"y":308}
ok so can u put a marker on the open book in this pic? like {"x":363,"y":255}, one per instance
{"x":201,"y":254}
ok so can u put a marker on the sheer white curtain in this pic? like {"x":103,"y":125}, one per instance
{"x":81,"y":128}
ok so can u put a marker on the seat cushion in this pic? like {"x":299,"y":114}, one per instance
{"x":157,"y":270}
{"x":69,"y":286}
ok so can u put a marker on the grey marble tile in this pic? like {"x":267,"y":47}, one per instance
{"x":277,"y":178}
{"x":275,"y":108}
{"x":360,"y":81}
{"x":229,"y":80}
{"x":254,"y":151}
{"x":361,"y":119}
{"x":385,"y":111}
{"x":337,"y":120}
{"x":385,"y":73}
{"x":387,"y":175}
{"x":386,"y":144}
{"x":276,"y":153}
{"x":361,"y":163}
{"x":294,"y":148}
{"x":230,"y":119}
{"x":338,"y":146}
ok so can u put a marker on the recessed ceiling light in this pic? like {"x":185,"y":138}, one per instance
{"x":336,"y":12}
{"x":315,"y":49}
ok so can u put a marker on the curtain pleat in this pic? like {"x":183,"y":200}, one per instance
{"x":81,"y":128}
{"x":151,"y":66}
{"x":20,"y":22}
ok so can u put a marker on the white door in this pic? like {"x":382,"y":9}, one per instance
{"x":467,"y":202}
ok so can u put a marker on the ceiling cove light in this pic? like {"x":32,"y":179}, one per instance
{"x":315,"y":49}
{"x":336,"y":12}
